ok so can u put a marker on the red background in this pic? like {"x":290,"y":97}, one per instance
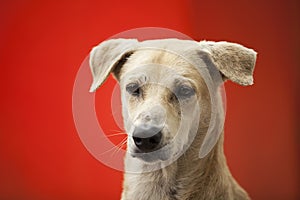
{"x":43,"y":44}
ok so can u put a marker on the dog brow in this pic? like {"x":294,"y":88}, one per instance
{"x":182,"y":80}
{"x":138,"y":78}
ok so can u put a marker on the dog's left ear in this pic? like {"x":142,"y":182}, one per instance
{"x":108,"y":57}
{"x":234,"y":61}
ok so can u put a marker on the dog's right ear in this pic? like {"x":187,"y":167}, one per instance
{"x":108,"y":57}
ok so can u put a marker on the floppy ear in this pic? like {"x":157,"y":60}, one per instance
{"x":234,"y":61}
{"x":108,"y":57}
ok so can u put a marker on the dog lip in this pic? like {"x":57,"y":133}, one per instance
{"x":136,"y":152}
{"x":149,"y":157}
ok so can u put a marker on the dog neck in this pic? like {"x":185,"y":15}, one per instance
{"x":187,"y":178}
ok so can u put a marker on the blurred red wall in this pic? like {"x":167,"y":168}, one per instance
{"x":43,"y":44}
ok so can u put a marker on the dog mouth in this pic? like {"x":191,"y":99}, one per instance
{"x":161,"y":154}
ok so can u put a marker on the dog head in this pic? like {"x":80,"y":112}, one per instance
{"x":169,"y":88}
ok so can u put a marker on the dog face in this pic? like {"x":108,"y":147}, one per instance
{"x":167,"y":87}
{"x":160,"y":95}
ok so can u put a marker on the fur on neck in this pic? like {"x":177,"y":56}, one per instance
{"x":187,"y":178}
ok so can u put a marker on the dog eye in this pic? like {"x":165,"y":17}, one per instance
{"x":184,"y":91}
{"x":134,"y":89}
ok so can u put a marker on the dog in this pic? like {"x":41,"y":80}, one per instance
{"x":173,"y":114}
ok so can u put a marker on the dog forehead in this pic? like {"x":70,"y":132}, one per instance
{"x":157,"y":63}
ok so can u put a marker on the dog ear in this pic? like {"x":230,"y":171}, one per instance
{"x":234,"y":61}
{"x":108,"y":57}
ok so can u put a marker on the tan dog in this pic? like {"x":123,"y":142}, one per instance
{"x":173,"y":114}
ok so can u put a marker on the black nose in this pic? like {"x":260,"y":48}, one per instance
{"x":147,"y":139}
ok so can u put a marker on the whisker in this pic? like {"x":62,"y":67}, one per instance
{"x":114,"y":148}
{"x":116,"y":134}
{"x":108,"y":150}
{"x":119,"y":146}
{"x":117,"y":130}
{"x":112,"y":135}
